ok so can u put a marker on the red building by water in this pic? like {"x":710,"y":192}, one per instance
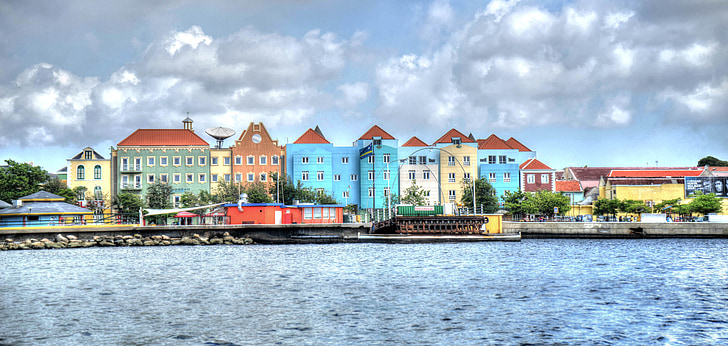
{"x":280,"y":214}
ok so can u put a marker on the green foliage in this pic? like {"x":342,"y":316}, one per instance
{"x":485,"y":195}
{"x":289,"y":193}
{"x":712,"y":162}
{"x":605,"y":206}
{"x":227,"y":192}
{"x":257,"y":193}
{"x":542,"y":202}
{"x":516,"y":203}
{"x":159,"y":196}
{"x":128,"y":203}
{"x":20,"y":179}
{"x":629,"y":206}
{"x":189,"y":200}
{"x":57,"y":187}
{"x":706,"y":204}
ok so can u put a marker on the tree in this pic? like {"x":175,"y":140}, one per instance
{"x":629,"y":206}
{"x":128,"y":204}
{"x":546,"y":201}
{"x":227,"y":191}
{"x":485,"y":195}
{"x":705,"y":204}
{"x":20,"y":179}
{"x":712,"y":162}
{"x":56,"y":186}
{"x":518,"y":203}
{"x":605,"y":206}
{"x":189,"y":200}
{"x":257,"y":193}
{"x":159,"y":196}
{"x":414,"y":195}
{"x":288,"y":193}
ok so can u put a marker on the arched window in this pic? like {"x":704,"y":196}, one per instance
{"x":97,"y":193}
{"x":81,"y":173}
{"x":97,"y":172}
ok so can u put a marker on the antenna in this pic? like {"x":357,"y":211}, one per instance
{"x":220,"y":134}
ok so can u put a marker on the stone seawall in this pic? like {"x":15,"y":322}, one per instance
{"x":262,"y":234}
{"x":617,"y":229}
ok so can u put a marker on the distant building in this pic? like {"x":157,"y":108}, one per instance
{"x":43,"y":209}
{"x":92,"y":173}
{"x":255,"y":156}
{"x":378,"y":171}
{"x":498,"y":163}
{"x":650,"y":185}
{"x":420,"y":164}
{"x":536,"y":176}
{"x":458,"y":166}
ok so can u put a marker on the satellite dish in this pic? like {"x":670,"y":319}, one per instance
{"x":220,"y":134}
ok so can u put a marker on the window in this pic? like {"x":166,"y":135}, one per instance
{"x":530,"y":178}
{"x":466,"y":176}
{"x":337,"y":177}
{"x":88,"y":155}
{"x":138,"y":163}
{"x":386,"y":158}
{"x":316,"y":213}
{"x":370,"y":175}
{"x":307,"y":213}
{"x":325,"y":212}
{"x":190,"y":178}
{"x":426,"y":193}
{"x":150,"y":178}
{"x":319,"y":160}
{"x":386,"y":192}
{"x":238,"y":177}
{"x":274,"y":160}
{"x":304,"y":175}
{"x":176,"y":178}
{"x":190,"y":160}
{"x":238,"y":160}
{"x":423,"y":160}
{"x":507,"y":177}
{"x":263,"y":160}
{"x":124,"y":181}
{"x":354,"y":177}
{"x":213,"y":161}
{"x":502,"y":159}
{"x":455,"y":140}
{"x":201,"y":178}
{"x":177,"y":200}
{"x":491,"y":159}
{"x":451,"y":195}
{"x":370,"y":159}
{"x":163,"y":161}
{"x":319,"y":191}
{"x":466,"y":160}
{"x":426,"y":175}
{"x":304,"y":159}
{"x":377,"y":140}
{"x":344,"y":160}
{"x":226,"y":161}
{"x":320,"y":175}
{"x":371,"y":192}
{"x":163,"y":178}
{"x":544,"y":178}
{"x":491,"y":177}
{"x":227,"y":177}
{"x":451,"y":160}
{"x":345,"y":194}
{"x":97,"y":172}
{"x":413,"y":160}
{"x":81,"y":173}
{"x":251,"y":177}
{"x":451,"y":177}
{"x":176,"y":160}
{"x":411,"y":175}
{"x":250,"y":160}
{"x":138,"y":181}
{"x":202,"y":160}
{"x":97,"y":193}
{"x":385,"y":174}
{"x":263,"y":176}
{"x":150,"y":161}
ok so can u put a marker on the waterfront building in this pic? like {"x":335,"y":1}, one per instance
{"x":221,"y":168}
{"x":255,"y":156}
{"x":651,"y":185}
{"x":536,"y":176}
{"x":175,"y":156}
{"x":457,"y":156}
{"x":378,"y":158}
{"x":571,"y":189}
{"x":345,"y":174}
{"x":43,"y":209}
{"x":277,"y":213}
{"x":309,"y":161}
{"x":498,"y":163}
{"x":419,"y":164}
{"x":524,"y":153}
{"x":91,"y":174}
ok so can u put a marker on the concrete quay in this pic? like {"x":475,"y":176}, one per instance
{"x":624,"y":230}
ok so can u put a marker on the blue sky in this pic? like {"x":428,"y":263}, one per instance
{"x":597,"y":83}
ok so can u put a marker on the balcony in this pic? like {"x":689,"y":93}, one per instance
{"x":131,"y":186}
{"x":131,"y":168}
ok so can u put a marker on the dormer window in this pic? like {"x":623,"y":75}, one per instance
{"x":88,"y":155}
{"x":456,"y":140}
{"x":377,"y":140}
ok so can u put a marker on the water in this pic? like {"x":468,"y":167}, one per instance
{"x":631,"y":292}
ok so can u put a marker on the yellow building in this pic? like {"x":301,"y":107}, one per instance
{"x":220,"y":167}
{"x":458,"y":163}
{"x":92,"y":172}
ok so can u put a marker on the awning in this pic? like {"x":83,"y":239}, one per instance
{"x":186,"y":214}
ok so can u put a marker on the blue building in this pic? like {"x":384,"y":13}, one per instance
{"x":378,"y":168}
{"x":498,"y":163}
{"x":44,"y":209}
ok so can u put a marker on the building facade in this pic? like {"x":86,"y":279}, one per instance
{"x":458,"y":167}
{"x":92,"y":173}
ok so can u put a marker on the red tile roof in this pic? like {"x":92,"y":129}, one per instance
{"x":414,"y":142}
{"x":515,"y":144}
{"x":533,"y":164}
{"x":163,"y":137}
{"x":654,"y":173}
{"x":447,"y":138}
{"x":376,"y":131}
{"x":568,"y":186}
{"x":311,"y":137}
{"x":493,"y":142}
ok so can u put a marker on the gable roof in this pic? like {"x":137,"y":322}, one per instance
{"x":567,"y":186}
{"x":96,"y":156}
{"x":515,"y":144}
{"x":447,"y":137}
{"x":376,"y":131}
{"x":311,"y":137}
{"x":42,"y":196}
{"x":654,"y":173}
{"x":493,"y":142}
{"x":163,"y":137}
{"x":414,"y":142}
{"x":533,"y":164}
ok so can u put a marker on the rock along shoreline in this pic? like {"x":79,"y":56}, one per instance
{"x":70,"y":241}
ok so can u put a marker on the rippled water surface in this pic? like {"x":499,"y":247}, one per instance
{"x":533,"y":292}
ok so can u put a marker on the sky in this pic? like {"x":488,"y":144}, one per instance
{"x":583,"y":83}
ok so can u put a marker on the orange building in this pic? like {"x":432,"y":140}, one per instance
{"x":255,"y":155}
{"x":277,"y":214}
